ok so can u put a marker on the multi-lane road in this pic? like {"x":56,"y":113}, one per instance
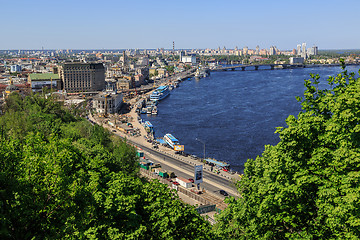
{"x":212,"y":182}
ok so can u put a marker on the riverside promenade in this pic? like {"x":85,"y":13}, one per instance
{"x":164,"y":154}
{"x":181,"y":165}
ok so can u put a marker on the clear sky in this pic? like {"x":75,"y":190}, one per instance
{"x":117,"y":24}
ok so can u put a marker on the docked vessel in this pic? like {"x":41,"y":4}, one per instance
{"x":143,"y":111}
{"x":171,"y":140}
{"x":149,"y":110}
{"x":202,"y":73}
{"x":154,"y":110}
{"x":160,"y":93}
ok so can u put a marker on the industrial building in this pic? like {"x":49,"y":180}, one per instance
{"x":38,"y":81}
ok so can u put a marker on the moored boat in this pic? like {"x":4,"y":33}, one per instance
{"x":160,"y":93}
{"x":171,"y":140}
{"x":154,"y":110}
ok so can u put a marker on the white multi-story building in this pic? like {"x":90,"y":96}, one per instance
{"x":109,"y":102}
{"x":298,"y":50}
{"x":296,"y":60}
{"x":188,"y":59}
{"x":15,"y":68}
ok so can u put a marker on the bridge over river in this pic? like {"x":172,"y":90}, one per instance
{"x":243,"y":67}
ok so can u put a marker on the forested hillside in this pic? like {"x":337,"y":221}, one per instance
{"x":62,"y":178}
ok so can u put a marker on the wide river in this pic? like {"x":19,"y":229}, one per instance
{"x":235,"y":113}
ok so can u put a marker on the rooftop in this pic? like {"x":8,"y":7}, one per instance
{"x":44,"y":76}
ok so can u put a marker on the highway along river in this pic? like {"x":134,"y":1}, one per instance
{"x":235,"y":113}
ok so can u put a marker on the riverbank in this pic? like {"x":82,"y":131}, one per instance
{"x":235,"y":113}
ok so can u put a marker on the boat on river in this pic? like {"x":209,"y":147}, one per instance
{"x":160,"y":93}
{"x":171,"y":140}
{"x":154,"y":110}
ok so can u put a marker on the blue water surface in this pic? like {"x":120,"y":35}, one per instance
{"x":235,"y":113}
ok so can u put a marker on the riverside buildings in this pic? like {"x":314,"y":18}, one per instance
{"x":82,"y":77}
{"x":105,"y":103}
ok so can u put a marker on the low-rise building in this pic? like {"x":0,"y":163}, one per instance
{"x":152,"y":71}
{"x":296,"y":60}
{"x":188,"y":59}
{"x":107,"y":102}
{"x":162,"y":72}
{"x":124,"y":84}
{"x":38,"y":81}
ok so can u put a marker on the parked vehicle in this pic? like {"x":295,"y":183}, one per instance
{"x":222,"y":192}
{"x":191,"y":180}
{"x":176,"y":183}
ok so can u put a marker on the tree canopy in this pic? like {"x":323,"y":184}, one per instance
{"x":63,"y":178}
{"x":307,"y":186}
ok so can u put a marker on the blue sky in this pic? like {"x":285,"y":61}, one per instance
{"x":110,"y":24}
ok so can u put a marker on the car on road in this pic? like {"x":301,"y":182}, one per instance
{"x":175,"y":183}
{"x":222,"y":192}
{"x":114,"y":130}
{"x":191,"y":180}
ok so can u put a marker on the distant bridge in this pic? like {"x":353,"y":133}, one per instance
{"x":272,"y":66}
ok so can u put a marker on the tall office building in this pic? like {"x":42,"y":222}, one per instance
{"x":82,"y":77}
{"x":257,"y":50}
{"x":298,"y":52}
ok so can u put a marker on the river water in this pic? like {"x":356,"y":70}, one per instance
{"x":235,"y":113}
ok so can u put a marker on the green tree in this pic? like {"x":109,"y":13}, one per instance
{"x":62,"y":178}
{"x":307,"y":186}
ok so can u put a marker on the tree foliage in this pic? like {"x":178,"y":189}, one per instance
{"x":307,"y":186}
{"x":62,"y":178}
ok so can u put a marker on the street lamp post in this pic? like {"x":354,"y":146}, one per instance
{"x":202,"y":143}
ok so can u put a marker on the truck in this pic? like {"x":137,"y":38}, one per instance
{"x":154,"y":167}
{"x":161,"y":172}
{"x":140,"y":153}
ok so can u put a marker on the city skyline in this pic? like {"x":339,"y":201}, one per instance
{"x":192,"y":25}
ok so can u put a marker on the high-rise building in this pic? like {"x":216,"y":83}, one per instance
{"x":245,"y":50}
{"x":315,"y":50}
{"x":298,"y":50}
{"x":181,"y":54}
{"x":272,"y":50}
{"x":303,"y":52}
{"x":257,"y":50}
{"x":82,"y":77}
{"x":303,"y":46}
